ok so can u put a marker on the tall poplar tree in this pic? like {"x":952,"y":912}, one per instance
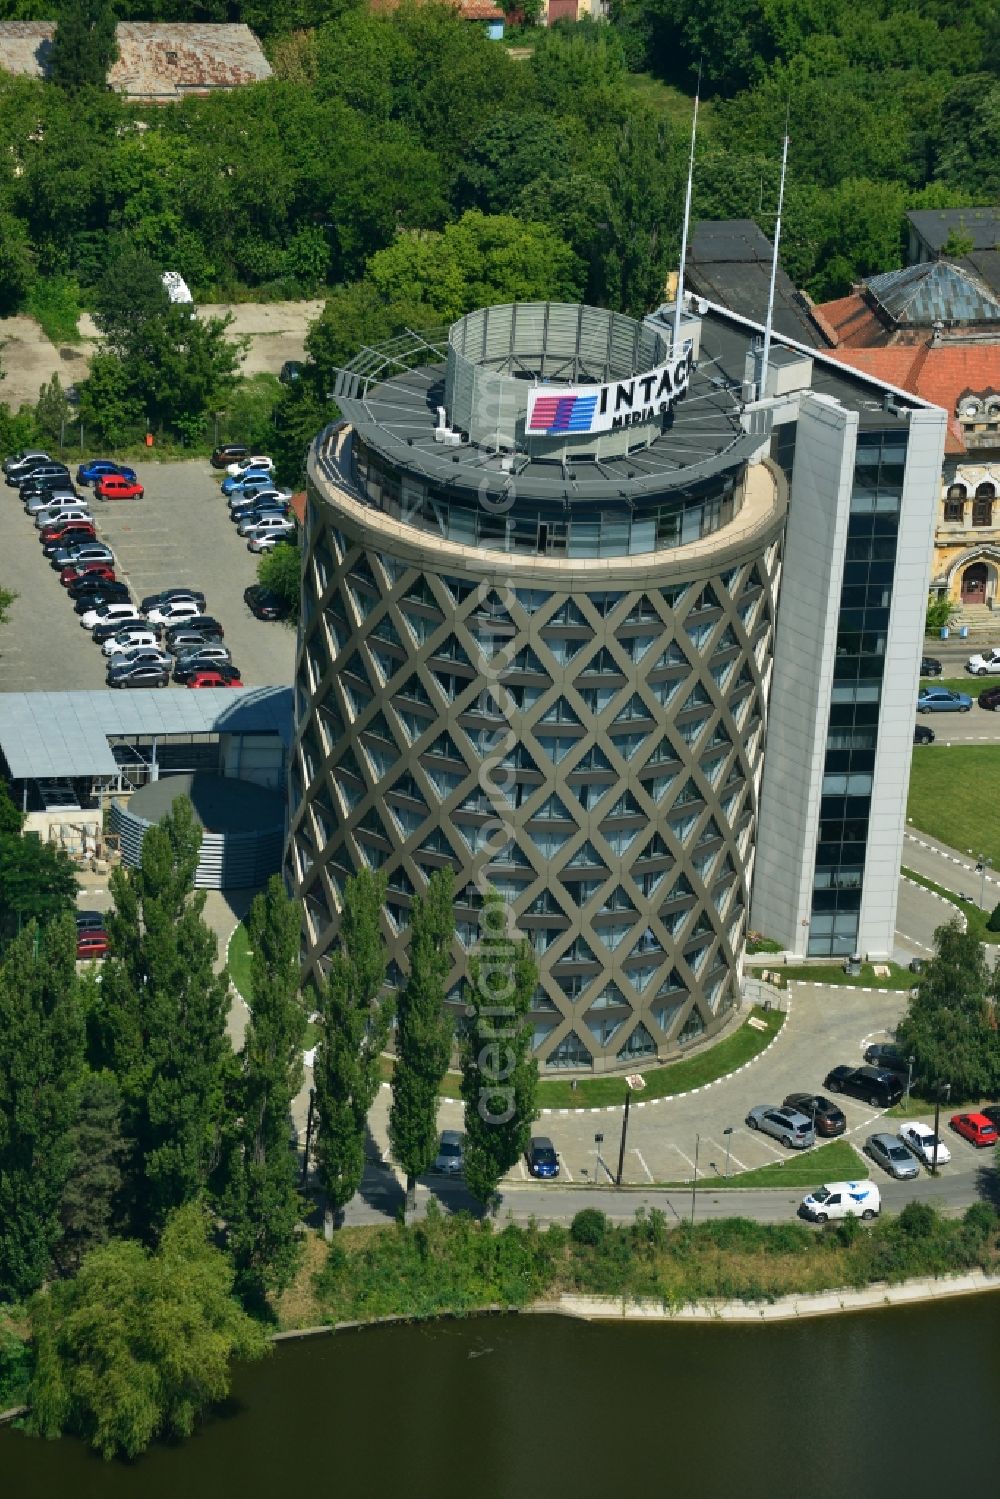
{"x":499,"y":1073}
{"x":161,"y":1027}
{"x":84,"y":45}
{"x":355,"y":1019}
{"x":423,"y":1034}
{"x":262,"y":1203}
{"x":41,"y":1068}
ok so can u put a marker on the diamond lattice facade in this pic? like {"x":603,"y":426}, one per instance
{"x":545,"y":659}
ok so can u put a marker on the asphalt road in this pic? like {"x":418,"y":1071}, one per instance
{"x":178,"y":534}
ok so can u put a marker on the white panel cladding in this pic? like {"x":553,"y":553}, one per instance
{"x":904,"y":646}
{"x":805,"y":643}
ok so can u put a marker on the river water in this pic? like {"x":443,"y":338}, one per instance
{"x":896,"y":1402}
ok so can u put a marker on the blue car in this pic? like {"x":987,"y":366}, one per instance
{"x":96,"y":468}
{"x":254,"y":478}
{"x":542,"y":1159}
{"x":942,"y":700}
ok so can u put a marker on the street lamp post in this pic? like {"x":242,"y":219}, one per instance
{"x":621,"y":1151}
{"x":944,"y":1088}
{"x":694,"y":1183}
{"x":599,"y":1141}
{"x":909,"y":1078}
{"x":982,"y":865}
{"x":309,"y":1130}
{"x":729,"y":1140}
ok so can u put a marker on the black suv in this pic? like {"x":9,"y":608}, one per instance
{"x":38,"y":473}
{"x":887,"y":1058}
{"x":201,"y":624}
{"x":229,"y":453}
{"x":827,"y":1119}
{"x":263,"y":603}
{"x":173,"y":595}
{"x":870,"y":1084}
{"x":989,"y":699}
{"x":930,"y":666}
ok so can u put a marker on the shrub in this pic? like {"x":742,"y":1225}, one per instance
{"x":590,"y":1226}
{"x":993,"y":921}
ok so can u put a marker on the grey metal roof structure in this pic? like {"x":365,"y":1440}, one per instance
{"x":982,"y":225}
{"x":48,"y":734}
{"x":729,"y":262}
{"x":935,"y":291}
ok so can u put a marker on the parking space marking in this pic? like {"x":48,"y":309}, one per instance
{"x":642,"y":1163}
{"x":721,"y":1150}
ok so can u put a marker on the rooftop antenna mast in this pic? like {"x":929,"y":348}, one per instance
{"x":774,"y":265}
{"x":679,"y":300}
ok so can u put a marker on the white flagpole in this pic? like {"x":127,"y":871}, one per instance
{"x":774,"y":269}
{"x":687,"y":220}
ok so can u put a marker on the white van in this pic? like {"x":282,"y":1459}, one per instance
{"x":842,"y":1200}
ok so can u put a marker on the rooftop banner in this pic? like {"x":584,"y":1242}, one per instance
{"x":564,"y":410}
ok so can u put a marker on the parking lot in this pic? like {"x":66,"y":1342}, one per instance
{"x":178,"y":534}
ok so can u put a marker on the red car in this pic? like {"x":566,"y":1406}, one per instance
{"x":58,"y":529}
{"x":117,"y":487}
{"x":92,"y":944}
{"x":212,"y":679}
{"x":80,"y":570}
{"x":975,"y":1128}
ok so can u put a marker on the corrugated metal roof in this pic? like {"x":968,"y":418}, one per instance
{"x":45,"y":734}
{"x":155,"y":61}
{"x":936,"y":291}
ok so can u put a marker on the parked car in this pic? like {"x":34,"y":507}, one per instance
{"x":923,"y":734}
{"x":266,"y":541}
{"x":930,"y":666}
{"x":91,"y":944}
{"x":137,"y":637}
{"x":273,"y":525}
{"x":55,"y":533}
{"x":924,"y":1143}
{"x":62,"y":514}
{"x":210,"y":654}
{"x":45,"y":484}
{"x":991,"y":1111}
{"x":213,"y":677}
{"x":174,"y":611}
{"x":942,"y":700}
{"x":79,"y":549}
{"x":258,"y":499}
{"x":263,"y":603}
{"x":99,"y":468}
{"x":117,"y":487}
{"x":189,"y":666}
{"x":229,"y":452}
{"x":892,"y":1155}
{"x":42,"y":469}
{"x":108,"y":628}
{"x":95,"y":598}
{"x":869,"y":1084}
{"x":150,"y":655}
{"x":70,"y":575}
{"x":183,"y":639}
{"x":243,"y":483}
{"x":985,"y":663}
{"x":104,"y":613}
{"x":264,"y":521}
{"x":173,"y":596}
{"x":787,"y":1125}
{"x":827,"y":1118}
{"x":543,"y":1161}
{"x":138,"y":674}
{"x":989,"y":699}
{"x":887,"y":1057}
{"x":89,"y":921}
{"x":91,"y":584}
{"x":290,"y":371}
{"x":259,"y":461}
{"x":842,"y":1200}
{"x":49,"y":499}
{"x":20,"y":462}
{"x":449,"y":1158}
{"x":204,"y":624}
{"x":976,"y":1128}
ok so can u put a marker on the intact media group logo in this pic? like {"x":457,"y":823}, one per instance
{"x":606,"y":408}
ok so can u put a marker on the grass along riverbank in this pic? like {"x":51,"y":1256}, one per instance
{"x":457,"y":1265}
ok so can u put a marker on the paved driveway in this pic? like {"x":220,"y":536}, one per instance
{"x":180,"y":533}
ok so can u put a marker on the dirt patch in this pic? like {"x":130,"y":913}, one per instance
{"x":30,"y":360}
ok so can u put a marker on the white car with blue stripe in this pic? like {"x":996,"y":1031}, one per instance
{"x":842,"y":1200}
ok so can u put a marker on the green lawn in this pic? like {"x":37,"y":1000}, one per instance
{"x":972,"y":685}
{"x":953,"y":796}
{"x":833,"y":973}
{"x":835,"y":1161}
{"x":238,"y":961}
{"x":661,"y":1082}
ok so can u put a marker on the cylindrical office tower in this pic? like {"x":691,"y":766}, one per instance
{"x":540,"y":571}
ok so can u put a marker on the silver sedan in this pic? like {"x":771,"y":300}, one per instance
{"x":892,"y":1155}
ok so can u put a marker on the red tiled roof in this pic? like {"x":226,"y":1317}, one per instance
{"x":940,"y":374}
{"x":853,"y":322}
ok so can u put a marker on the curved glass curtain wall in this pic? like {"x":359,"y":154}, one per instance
{"x":610,"y":528}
